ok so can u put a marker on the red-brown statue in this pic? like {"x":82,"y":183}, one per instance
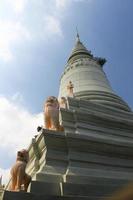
{"x":18,"y":174}
{"x":51,"y":113}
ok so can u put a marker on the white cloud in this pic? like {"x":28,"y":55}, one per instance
{"x":5,"y":173}
{"x":17,"y":22}
{"x":14,"y":28}
{"x":83,"y":0}
{"x":17,"y":124}
{"x":52,"y":26}
{"x":17,"y":98}
{"x":11,"y":32}
{"x":61,"y":4}
{"x":18,"y":127}
{"x":18,"y":5}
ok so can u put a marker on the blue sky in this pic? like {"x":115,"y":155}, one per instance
{"x":36,"y":38}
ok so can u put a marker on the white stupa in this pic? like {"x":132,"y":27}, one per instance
{"x":90,"y":82}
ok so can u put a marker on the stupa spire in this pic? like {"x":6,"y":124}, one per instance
{"x":77,"y":35}
{"x":78,"y":50}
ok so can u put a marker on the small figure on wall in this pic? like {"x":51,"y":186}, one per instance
{"x":63,"y":102}
{"x":70,"y":87}
{"x":18,"y":174}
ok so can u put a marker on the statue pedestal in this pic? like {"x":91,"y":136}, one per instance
{"x":52,"y":160}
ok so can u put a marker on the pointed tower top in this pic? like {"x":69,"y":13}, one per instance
{"x":77,"y":36}
{"x":79,"y":49}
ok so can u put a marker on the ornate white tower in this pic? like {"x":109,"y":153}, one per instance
{"x":89,"y":80}
{"x":93,"y":156}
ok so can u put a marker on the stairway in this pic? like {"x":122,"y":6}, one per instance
{"x":65,"y":191}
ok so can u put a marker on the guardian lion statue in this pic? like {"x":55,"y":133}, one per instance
{"x":18,"y":174}
{"x":51,"y":113}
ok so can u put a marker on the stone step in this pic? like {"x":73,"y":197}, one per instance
{"x":99,"y":190}
{"x":73,"y":189}
{"x":17,"y":196}
{"x":29,"y":196}
{"x":45,"y":188}
{"x":64,"y":191}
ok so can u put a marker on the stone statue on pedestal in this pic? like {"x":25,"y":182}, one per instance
{"x":18,"y":174}
{"x":51,"y":113}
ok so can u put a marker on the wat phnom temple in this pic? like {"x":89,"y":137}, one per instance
{"x":87,"y":152}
